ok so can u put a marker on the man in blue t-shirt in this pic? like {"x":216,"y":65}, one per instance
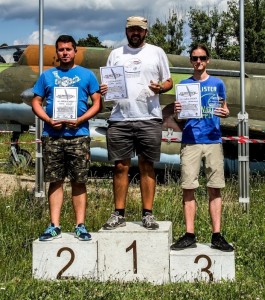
{"x":65,"y":137}
{"x":202,"y":141}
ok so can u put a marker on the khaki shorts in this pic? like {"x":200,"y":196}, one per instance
{"x":66,"y":157}
{"x":191,"y":158}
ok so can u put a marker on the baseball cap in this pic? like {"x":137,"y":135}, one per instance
{"x":137,"y":21}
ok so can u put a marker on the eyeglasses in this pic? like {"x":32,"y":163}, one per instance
{"x":202,"y":58}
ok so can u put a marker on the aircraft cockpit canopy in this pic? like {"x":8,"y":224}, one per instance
{"x":11,"y":54}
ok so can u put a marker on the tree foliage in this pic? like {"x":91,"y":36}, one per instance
{"x":168,"y":36}
{"x":220,"y":31}
{"x":90,"y":41}
{"x":254,"y":21}
{"x":210,"y":28}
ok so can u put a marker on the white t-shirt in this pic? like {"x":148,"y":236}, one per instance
{"x":141,"y":65}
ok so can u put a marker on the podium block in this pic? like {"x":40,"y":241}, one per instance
{"x":201,"y":264}
{"x":133,"y":253}
{"x":64,"y":258}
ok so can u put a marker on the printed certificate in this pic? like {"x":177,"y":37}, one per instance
{"x":65,"y":103}
{"x":189,"y":95}
{"x":114,"y":77}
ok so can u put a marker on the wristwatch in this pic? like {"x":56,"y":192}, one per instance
{"x":161,"y":90}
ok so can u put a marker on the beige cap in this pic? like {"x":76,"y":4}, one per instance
{"x":137,"y":21}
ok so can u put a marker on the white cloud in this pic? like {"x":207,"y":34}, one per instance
{"x":114,"y":44}
{"x":104,"y":19}
{"x":49,"y":37}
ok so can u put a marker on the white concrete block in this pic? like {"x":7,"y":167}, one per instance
{"x":201,"y":264}
{"x":133,"y":253}
{"x":66,"y":257}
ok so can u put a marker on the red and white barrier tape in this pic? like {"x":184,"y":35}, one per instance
{"x":239,"y":139}
{"x":16,"y":143}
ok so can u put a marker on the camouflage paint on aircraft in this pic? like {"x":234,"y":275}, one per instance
{"x":15,"y":78}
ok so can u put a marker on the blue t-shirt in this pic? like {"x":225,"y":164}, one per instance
{"x":86,"y":83}
{"x":205,"y":130}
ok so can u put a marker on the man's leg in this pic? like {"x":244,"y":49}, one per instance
{"x":121,"y":182}
{"x":188,"y":240}
{"x":79,"y":199}
{"x":55,"y":197}
{"x":215,"y":208}
{"x":120,"y":189}
{"x":189,"y":208}
{"x":147,"y":186}
{"x":147,"y":182}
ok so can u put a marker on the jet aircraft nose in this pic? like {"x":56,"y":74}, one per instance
{"x":27,"y":96}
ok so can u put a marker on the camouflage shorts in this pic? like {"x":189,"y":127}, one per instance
{"x":66,"y":157}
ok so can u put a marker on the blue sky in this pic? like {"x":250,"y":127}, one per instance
{"x":19,"y":20}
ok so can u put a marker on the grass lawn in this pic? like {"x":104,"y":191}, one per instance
{"x":23,"y":218}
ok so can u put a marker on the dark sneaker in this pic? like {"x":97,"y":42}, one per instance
{"x":219,"y":242}
{"x":114,"y":221}
{"x":52,"y":232}
{"x":149,"y":221}
{"x":186,"y":241}
{"x":81,"y":233}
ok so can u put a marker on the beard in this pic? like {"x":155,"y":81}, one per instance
{"x":135,"y":41}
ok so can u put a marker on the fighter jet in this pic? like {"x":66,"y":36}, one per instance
{"x":18,"y":78}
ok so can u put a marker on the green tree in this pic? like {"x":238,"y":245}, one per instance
{"x":175,"y":33}
{"x":168,"y":36}
{"x":157,"y":34}
{"x":226,"y":45}
{"x":218,"y":30}
{"x":90,"y":41}
{"x":254,"y":21}
{"x":204,"y":27}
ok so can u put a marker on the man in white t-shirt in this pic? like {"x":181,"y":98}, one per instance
{"x":135,"y":124}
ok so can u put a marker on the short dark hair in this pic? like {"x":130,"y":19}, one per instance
{"x":65,"y":39}
{"x":200,"y":46}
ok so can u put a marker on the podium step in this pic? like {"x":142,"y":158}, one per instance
{"x":133,"y":253}
{"x":65,"y":257}
{"x":130,"y":253}
{"x":201,"y":264}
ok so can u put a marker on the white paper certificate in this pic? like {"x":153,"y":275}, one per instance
{"x":189,"y":95}
{"x":114,"y":77}
{"x":65,"y":103}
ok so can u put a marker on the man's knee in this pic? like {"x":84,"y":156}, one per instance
{"x":145,"y":166}
{"x":214,"y":193}
{"x":122,"y":166}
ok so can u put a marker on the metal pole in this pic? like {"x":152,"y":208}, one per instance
{"x":243,"y":127}
{"x":39,"y":182}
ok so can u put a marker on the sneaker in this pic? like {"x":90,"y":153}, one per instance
{"x":52,"y":232}
{"x":184,"y":242}
{"x":220,"y":243}
{"x":114,"y":221}
{"x":81,"y":233}
{"x":149,"y":221}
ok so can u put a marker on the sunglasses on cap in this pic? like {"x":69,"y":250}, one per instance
{"x":202,"y":58}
